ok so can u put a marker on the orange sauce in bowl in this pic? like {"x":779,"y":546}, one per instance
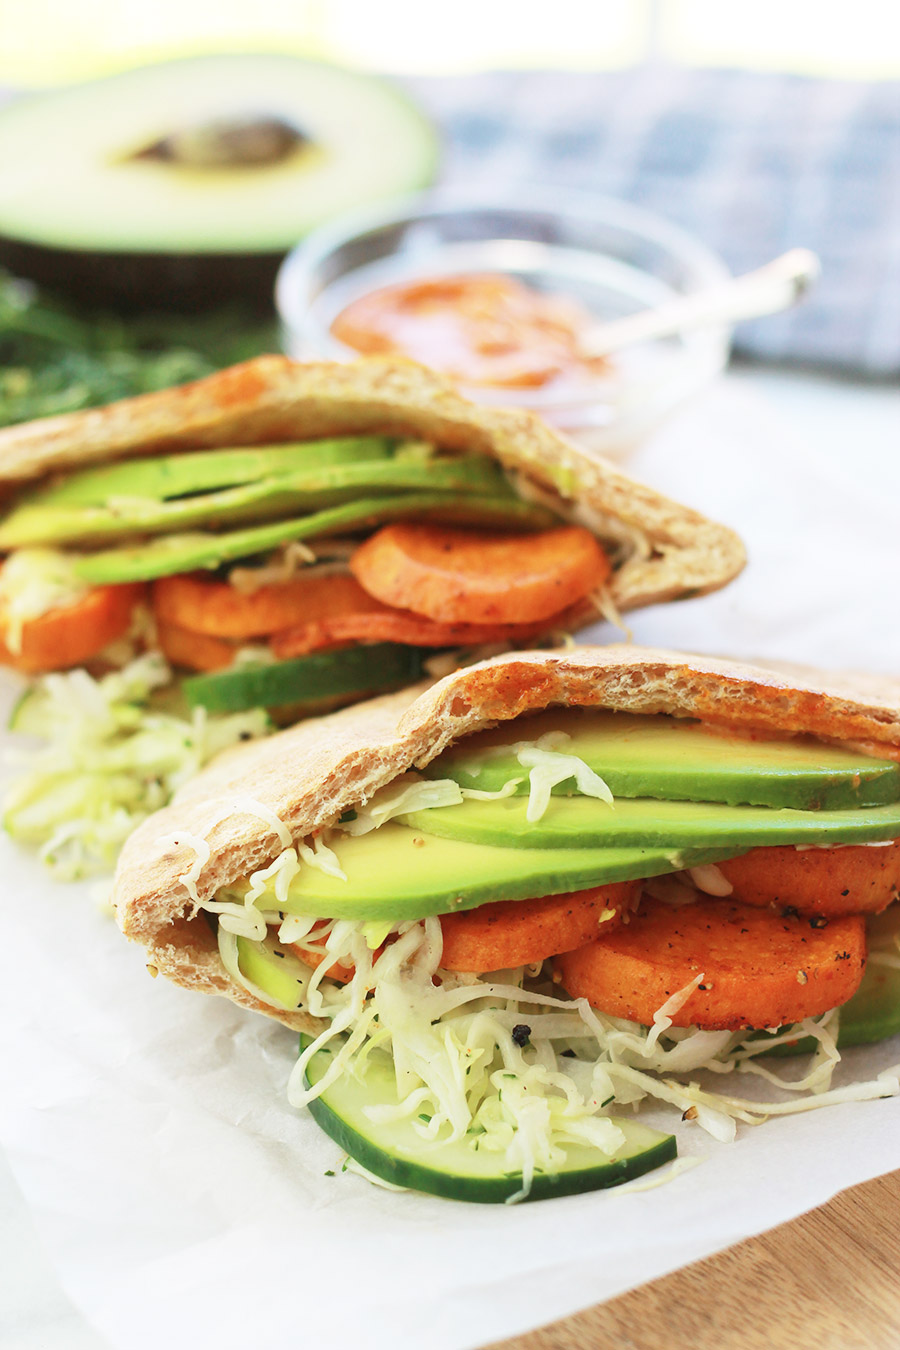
{"x":481,"y":329}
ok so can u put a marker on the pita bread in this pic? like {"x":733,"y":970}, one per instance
{"x":309,"y":775}
{"x":669,"y":551}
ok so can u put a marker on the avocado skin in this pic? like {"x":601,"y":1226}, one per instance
{"x":138,"y":283}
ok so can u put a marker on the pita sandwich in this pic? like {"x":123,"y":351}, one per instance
{"x":483,"y":972}
{"x":234,"y":817}
{"x":660,"y":549}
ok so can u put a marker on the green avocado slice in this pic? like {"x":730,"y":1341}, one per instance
{"x":579,"y":822}
{"x":308,"y":680}
{"x":162,"y":477}
{"x":311,"y":488}
{"x":173,"y":553}
{"x":678,"y":759}
{"x":397,"y":874}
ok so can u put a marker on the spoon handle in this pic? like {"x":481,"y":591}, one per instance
{"x":775,"y":286}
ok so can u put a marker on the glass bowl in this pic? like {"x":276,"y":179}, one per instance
{"x":608,"y":256}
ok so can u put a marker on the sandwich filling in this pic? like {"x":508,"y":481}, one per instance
{"x":578,"y":912}
{"x":293,"y":538}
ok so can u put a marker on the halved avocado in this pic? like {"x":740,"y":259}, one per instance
{"x":185,"y":183}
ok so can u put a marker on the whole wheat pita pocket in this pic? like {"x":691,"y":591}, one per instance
{"x":310,"y":775}
{"x":661,"y":549}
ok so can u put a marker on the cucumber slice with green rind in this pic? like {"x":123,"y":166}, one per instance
{"x":459,"y":1170}
{"x":309,"y":679}
{"x":168,"y":554}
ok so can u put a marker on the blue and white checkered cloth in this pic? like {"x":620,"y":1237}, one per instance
{"x":752,"y":163}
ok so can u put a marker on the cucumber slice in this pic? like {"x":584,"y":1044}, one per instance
{"x":308,"y":681}
{"x":459,"y":1171}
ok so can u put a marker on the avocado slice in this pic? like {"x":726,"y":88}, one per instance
{"x":676,"y":759}
{"x":173,"y":553}
{"x":307,"y":682}
{"x":163,"y":477}
{"x":274,"y":970}
{"x":304,"y":489}
{"x":394,"y":873}
{"x":578,"y":822}
{"x":184,"y":183}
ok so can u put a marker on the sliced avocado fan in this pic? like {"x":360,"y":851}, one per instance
{"x":308,"y":488}
{"x":278,"y":493}
{"x":173,"y":553}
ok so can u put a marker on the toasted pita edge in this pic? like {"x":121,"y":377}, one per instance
{"x":310,"y":774}
{"x":673,"y":551}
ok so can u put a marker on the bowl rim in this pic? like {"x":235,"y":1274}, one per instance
{"x":303,"y":260}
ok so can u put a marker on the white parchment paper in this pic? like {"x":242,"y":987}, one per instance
{"x":182,"y":1203}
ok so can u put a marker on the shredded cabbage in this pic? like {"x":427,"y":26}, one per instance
{"x":409,"y":792}
{"x":465,"y":1071}
{"x":112,"y":756}
{"x":549,"y":767}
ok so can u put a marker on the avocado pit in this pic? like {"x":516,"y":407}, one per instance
{"x":238,"y":142}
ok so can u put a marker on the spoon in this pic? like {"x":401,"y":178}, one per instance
{"x":777,"y":285}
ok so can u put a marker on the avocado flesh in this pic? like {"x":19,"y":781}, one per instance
{"x":169,"y":554}
{"x":139,"y":230}
{"x":675,"y":759}
{"x":391,"y":876}
{"x":307,"y":489}
{"x":579,"y":822}
{"x":307,"y":681}
{"x":276,"y":971}
{"x":163,"y":477}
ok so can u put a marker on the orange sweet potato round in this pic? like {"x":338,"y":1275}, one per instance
{"x":480,"y":576}
{"x":512,"y":933}
{"x":201,"y":604}
{"x":829,"y":881}
{"x":759,"y":969}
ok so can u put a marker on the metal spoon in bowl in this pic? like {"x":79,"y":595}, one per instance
{"x":777,"y":285}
